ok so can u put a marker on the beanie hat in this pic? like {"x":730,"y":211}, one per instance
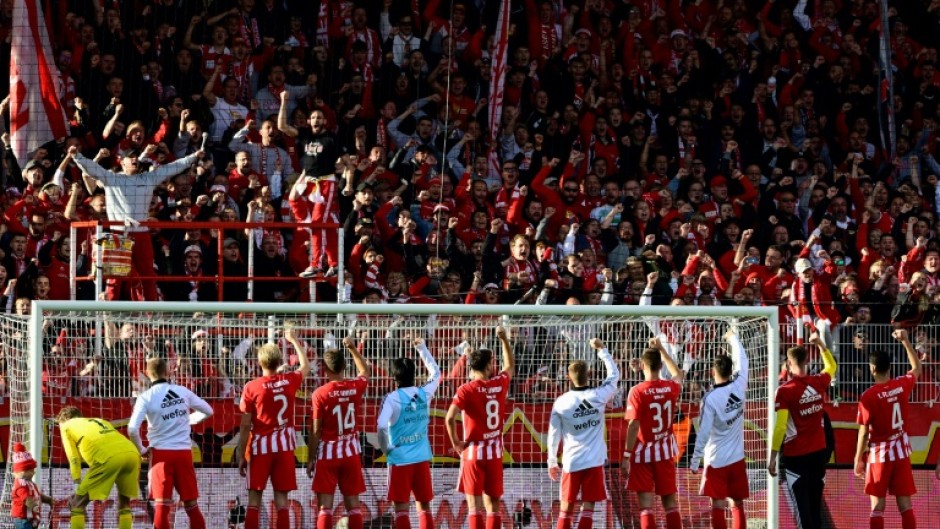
{"x":22,"y":459}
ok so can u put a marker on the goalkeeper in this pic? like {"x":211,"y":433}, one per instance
{"x":720,"y":437}
{"x":112,"y":460}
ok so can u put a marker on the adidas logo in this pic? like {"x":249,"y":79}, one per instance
{"x":734,"y":403}
{"x":585,"y":409}
{"x":171,"y":399}
{"x":810,"y":395}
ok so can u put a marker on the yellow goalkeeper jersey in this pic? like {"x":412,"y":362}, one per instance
{"x":93,"y":441}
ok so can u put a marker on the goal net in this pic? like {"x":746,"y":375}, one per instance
{"x":92,"y":355}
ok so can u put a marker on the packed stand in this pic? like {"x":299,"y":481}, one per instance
{"x":660,"y":152}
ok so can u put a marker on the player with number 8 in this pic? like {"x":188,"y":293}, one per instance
{"x":267,"y":407}
{"x":881,"y":412}
{"x":334,"y":452}
{"x":482,"y":402}
{"x":651,"y":443}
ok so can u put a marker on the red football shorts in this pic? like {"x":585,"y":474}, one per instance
{"x":890,"y":477}
{"x":345,"y":472}
{"x":658,"y":477}
{"x":403,"y":480}
{"x":730,"y":481}
{"x":589,"y":482}
{"x":279,"y":466}
{"x":171,"y":469}
{"x":481,"y":476}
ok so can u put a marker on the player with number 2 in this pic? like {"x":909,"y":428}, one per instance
{"x":267,"y":408}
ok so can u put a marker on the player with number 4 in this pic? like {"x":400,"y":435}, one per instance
{"x":267,"y":408}
{"x":881,"y":412}
{"x":651,"y":444}
{"x":334,"y":451}
{"x":482,"y":402}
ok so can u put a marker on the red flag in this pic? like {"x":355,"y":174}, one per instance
{"x":499,"y":61}
{"x":36,"y":113}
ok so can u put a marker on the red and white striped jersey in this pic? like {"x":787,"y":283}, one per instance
{"x":883,"y":407}
{"x":483,"y":403}
{"x":336,"y":404}
{"x":325,"y":203}
{"x":515,"y":266}
{"x":270,"y":401}
{"x":654,"y":403}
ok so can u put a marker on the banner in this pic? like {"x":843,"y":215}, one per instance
{"x":500,"y":61}
{"x":36,"y":113}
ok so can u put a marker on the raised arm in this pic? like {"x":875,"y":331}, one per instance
{"x":739,"y":359}
{"x":283,"y":123}
{"x":912,"y":357}
{"x":303,"y":361}
{"x":613,"y":372}
{"x":509,"y":358}
{"x":363,"y":366}
{"x":829,"y":362}
{"x":677,"y":374}
{"x":434,"y":371}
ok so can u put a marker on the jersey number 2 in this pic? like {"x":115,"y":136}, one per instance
{"x":282,"y":399}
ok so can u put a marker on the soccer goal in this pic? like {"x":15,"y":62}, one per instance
{"x":92,"y":355}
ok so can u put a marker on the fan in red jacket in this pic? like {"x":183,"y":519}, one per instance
{"x":810,"y":298}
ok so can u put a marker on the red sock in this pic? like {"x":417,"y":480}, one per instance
{"x":196,"y":519}
{"x":647,"y":519}
{"x":564,"y":520}
{"x":354,"y":519}
{"x":908,"y":520}
{"x":401,"y":520}
{"x":587,"y":519}
{"x":161,"y":514}
{"x":738,"y":518}
{"x":425,"y":520}
{"x":283,"y":518}
{"x":876,"y":520}
{"x":718,"y":519}
{"x":476,"y":520}
{"x":324,"y":519}
{"x":494,"y":520}
{"x":673,"y":518}
{"x":251,"y":517}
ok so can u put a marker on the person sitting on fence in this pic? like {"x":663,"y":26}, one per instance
{"x":128,"y":195}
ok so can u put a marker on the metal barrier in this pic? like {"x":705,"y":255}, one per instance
{"x":103,"y":228}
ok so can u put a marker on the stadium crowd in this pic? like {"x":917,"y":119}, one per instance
{"x":730,"y":149}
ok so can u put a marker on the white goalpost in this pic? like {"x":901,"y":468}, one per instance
{"x":90,"y":354}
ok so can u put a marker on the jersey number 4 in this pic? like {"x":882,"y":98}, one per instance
{"x":897,"y":420}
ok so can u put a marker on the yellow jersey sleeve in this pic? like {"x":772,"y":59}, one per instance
{"x":92,"y":441}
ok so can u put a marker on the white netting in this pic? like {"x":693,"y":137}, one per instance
{"x":95,"y":360}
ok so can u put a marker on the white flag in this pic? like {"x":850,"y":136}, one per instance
{"x":36,"y":113}
{"x":499,"y":62}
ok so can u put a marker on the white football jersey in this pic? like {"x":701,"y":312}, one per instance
{"x":166,"y":407}
{"x":720,"y":435}
{"x":578,"y":418}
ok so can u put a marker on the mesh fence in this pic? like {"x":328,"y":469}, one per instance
{"x":95,"y":360}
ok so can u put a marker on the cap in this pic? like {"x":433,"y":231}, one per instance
{"x":436,"y":181}
{"x":551,"y":180}
{"x":218,"y":188}
{"x":228,"y":242}
{"x":583,"y":31}
{"x":32,"y":164}
{"x":678,"y":33}
{"x":364,"y":186}
{"x":441,"y":207}
{"x":201,"y":333}
{"x":489,"y":286}
{"x":718,"y":181}
{"x":193,"y":248}
{"x":802,"y":265}
{"x":22,"y":459}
